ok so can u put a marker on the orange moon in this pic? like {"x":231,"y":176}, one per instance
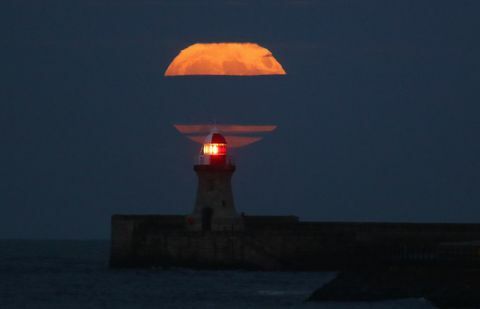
{"x":236,"y":59}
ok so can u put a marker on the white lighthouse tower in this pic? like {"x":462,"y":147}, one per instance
{"x":214,"y":205}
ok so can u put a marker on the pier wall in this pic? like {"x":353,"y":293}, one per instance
{"x":284,"y":243}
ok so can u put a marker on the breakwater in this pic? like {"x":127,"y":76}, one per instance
{"x":285,"y":243}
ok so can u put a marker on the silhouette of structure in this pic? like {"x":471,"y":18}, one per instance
{"x":214,"y":206}
{"x":215,"y":236}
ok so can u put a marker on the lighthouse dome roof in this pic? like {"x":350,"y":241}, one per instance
{"x":215,"y":138}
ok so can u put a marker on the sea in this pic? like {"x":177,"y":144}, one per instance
{"x":75,"y":274}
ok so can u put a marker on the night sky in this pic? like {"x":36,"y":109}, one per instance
{"x":378,"y":118}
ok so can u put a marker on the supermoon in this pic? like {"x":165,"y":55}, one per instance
{"x":235,"y":59}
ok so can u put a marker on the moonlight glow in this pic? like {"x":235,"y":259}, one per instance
{"x":243,"y":59}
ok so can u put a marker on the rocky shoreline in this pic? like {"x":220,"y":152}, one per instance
{"x":444,"y":288}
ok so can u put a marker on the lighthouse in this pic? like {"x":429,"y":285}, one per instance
{"x":214,"y":208}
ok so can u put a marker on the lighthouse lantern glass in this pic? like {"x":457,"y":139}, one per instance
{"x":215,"y":149}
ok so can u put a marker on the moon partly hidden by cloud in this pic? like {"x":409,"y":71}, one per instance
{"x":235,"y":59}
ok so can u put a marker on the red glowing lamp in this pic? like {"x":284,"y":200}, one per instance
{"x":214,"y":149}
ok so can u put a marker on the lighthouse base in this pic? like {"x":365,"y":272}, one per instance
{"x":210,"y":223}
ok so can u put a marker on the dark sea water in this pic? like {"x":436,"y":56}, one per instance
{"x":75,"y":274}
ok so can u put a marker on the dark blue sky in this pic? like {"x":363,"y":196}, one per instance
{"x":379,"y":116}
